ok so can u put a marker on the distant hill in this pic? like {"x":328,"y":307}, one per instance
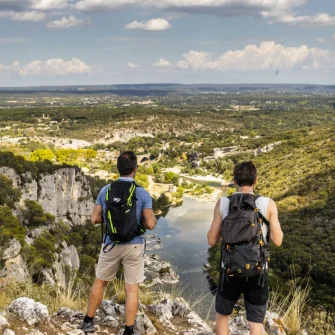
{"x":171,"y":89}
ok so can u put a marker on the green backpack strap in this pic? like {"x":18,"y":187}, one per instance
{"x":103,"y":238}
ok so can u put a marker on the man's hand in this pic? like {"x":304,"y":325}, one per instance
{"x":213,"y":235}
{"x":149,"y":219}
{"x":96,"y":216}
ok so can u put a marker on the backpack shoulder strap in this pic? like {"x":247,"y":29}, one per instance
{"x":109,"y":189}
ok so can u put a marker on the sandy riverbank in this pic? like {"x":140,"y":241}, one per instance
{"x":213,"y":197}
{"x":208,"y":178}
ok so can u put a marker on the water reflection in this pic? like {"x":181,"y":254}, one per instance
{"x":186,"y":249}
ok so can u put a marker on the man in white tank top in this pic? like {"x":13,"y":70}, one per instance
{"x":255,"y":296}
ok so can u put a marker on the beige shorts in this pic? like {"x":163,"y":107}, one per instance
{"x":131,"y":256}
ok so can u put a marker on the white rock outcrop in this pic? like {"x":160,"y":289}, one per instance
{"x":29,"y":311}
{"x":69,"y":257}
{"x":16,"y":269}
{"x":273,"y":324}
{"x":65,"y":193}
{"x":35,"y":332}
{"x":158,"y":271}
{"x":3,"y":322}
{"x":9,"y":332}
{"x":13,"y":249}
{"x":266,"y":148}
{"x":143,"y":325}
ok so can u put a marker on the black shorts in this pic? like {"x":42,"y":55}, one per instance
{"x":255,"y":297}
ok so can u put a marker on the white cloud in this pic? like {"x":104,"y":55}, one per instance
{"x":50,"y":67}
{"x":152,"y":25}
{"x":162,"y":63}
{"x":277,"y":11}
{"x":65,"y":22}
{"x":321,"y":40}
{"x":132,"y":66}
{"x":29,"y":10}
{"x":33,"y":16}
{"x":266,"y":56}
{"x":26,"y":5}
{"x":49,"y":4}
{"x":4,"y":68}
{"x":235,"y":5}
{"x":317,"y":20}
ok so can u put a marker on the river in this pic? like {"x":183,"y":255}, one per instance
{"x":183,"y":232}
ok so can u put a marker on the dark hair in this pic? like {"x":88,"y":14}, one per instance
{"x":245,"y":174}
{"x":126,"y":163}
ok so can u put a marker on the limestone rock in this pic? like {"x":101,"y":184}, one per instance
{"x":77,"y":318}
{"x":180,"y":308}
{"x":3,"y":322}
{"x":266,"y":148}
{"x":15,"y":268}
{"x":163,"y":310}
{"x":75,"y":332}
{"x":35,"y":332}
{"x":273,"y":324}
{"x":195,"y":321}
{"x":12,"y":250}
{"x":191,"y":331}
{"x":59,"y":275}
{"x":110,"y":321}
{"x":143,"y":325}
{"x":70,"y":257}
{"x":48,"y":277}
{"x":29,"y":311}
{"x":65,"y":313}
{"x":66,"y":193}
{"x":108,"y":308}
{"x":65,"y":326}
{"x":9,"y":332}
{"x":158,"y":271}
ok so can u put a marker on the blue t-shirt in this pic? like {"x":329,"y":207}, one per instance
{"x":144,"y":201}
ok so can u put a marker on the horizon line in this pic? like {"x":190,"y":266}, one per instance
{"x":163,"y":83}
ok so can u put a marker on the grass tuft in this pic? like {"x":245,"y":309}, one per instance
{"x":292,"y":306}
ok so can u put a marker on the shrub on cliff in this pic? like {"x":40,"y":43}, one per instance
{"x":8,"y":194}
{"x":10,"y":228}
{"x":41,"y":254}
{"x":34,"y":215}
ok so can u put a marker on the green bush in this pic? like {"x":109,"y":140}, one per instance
{"x":171,"y":178}
{"x":41,"y":254}
{"x":34,"y":215}
{"x":8,"y":194}
{"x":10,"y":228}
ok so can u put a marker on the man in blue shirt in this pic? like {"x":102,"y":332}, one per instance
{"x":129,"y":254}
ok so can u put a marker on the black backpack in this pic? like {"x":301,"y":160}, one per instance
{"x":120,"y":213}
{"x":244,"y":250}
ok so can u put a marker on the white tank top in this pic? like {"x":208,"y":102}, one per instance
{"x":262,"y":204}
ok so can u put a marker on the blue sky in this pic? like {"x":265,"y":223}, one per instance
{"x":69,"y":42}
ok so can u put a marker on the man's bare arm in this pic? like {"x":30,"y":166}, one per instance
{"x":96,"y":216}
{"x":213,"y":235}
{"x":276,"y":233}
{"x":149,"y":218}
